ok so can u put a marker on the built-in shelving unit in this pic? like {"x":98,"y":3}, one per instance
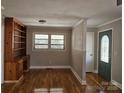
{"x":16,"y":60}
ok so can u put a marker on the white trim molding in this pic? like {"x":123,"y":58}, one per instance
{"x":11,"y":81}
{"x":116,"y":84}
{"x":109,"y":22}
{"x":14,"y":81}
{"x":96,"y":71}
{"x":44,"y":67}
{"x":78,"y":77}
{"x":80,"y":21}
{"x":84,"y":82}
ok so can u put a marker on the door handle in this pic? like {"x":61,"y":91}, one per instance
{"x":91,"y":54}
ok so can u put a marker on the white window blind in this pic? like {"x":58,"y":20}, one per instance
{"x":41,"y":41}
{"x":57,"y":41}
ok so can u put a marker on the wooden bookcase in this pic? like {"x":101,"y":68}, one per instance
{"x":15,"y":49}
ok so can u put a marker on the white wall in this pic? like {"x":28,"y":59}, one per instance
{"x":48,"y":57}
{"x":79,"y":50}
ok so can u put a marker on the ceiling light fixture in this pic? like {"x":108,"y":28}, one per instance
{"x":42,"y":21}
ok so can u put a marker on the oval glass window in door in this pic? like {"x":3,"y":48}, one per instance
{"x":104,"y":49}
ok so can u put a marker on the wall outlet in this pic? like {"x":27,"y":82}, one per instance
{"x":50,"y":62}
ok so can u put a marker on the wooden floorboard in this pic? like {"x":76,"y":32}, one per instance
{"x":106,"y":87}
{"x":57,"y":81}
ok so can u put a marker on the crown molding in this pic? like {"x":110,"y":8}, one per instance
{"x":80,"y":21}
{"x":109,"y":22}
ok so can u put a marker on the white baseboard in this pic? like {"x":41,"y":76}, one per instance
{"x":116,"y":84}
{"x":96,"y":71}
{"x":44,"y":67}
{"x":11,"y":81}
{"x":14,"y":81}
{"x":113,"y":81}
{"x":78,"y":77}
{"x":84,"y":82}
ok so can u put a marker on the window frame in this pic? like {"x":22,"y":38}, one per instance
{"x":49,"y":42}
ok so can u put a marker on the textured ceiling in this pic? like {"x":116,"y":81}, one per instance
{"x":62,"y":12}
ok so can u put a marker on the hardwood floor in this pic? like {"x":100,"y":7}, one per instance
{"x":58,"y":81}
{"x":100,"y":85}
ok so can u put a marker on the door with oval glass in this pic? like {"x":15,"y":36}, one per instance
{"x":105,"y":50}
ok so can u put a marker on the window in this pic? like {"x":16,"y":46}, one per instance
{"x":57,"y":41}
{"x":105,"y":49}
{"x":48,"y":41}
{"x":41,"y":41}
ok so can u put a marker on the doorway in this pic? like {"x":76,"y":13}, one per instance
{"x":105,"y":52}
{"x":90,"y":52}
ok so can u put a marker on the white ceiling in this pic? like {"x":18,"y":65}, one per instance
{"x":62,"y":12}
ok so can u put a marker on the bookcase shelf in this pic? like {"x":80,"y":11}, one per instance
{"x":15,"y":49}
{"x":18,"y":42}
{"x":19,"y":36}
{"x":16,"y":29}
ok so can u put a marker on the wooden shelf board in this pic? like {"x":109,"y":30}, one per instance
{"x":18,"y":49}
{"x":19,"y":42}
{"x":19,"y":36}
{"x":16,"y":29}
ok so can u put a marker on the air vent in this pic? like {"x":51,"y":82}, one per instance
{"x":119,"y":2}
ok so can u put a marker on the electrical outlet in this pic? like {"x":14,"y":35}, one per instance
{"x":50,"y":62}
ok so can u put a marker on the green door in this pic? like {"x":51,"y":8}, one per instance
{"x":105,"y":50}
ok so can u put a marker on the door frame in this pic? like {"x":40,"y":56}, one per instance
{"x":104,"y":30}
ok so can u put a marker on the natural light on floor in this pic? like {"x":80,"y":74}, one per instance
{"x":51,"y":90}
